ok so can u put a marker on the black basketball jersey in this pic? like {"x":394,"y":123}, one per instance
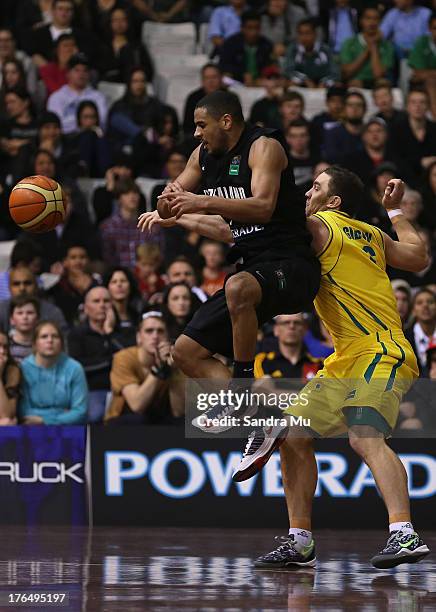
{"x":229,"y":176}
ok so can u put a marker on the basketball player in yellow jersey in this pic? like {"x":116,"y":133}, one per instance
{"x":361,"y":385}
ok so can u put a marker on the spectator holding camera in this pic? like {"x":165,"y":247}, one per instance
{"x":145,"y":385}
{"x":54,"y":390}
{"x":104,"y":198}
{"x":10,"y":378}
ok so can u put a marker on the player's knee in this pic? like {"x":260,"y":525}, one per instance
{"x":365,"y":445}
{"x":240,"y":292}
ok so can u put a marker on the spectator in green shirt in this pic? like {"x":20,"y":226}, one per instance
{"x":422,"y":60}
{"x":367,"y":57}
{"x":309,"y":63}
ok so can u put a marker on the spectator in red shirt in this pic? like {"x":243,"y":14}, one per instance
{"x":213,"y":273}
{"x":54,"y":74}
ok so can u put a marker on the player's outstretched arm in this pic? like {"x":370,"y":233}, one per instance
{"x":410,"y":253}
{"x":210,"y":226}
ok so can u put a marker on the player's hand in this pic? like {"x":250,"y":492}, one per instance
{"x":184,"y":203}
{"x":147,"y":221}
{"x":175,"y":186}
{"x":393,"y":195}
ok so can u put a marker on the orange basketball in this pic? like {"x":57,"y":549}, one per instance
{"x":37,"y":204}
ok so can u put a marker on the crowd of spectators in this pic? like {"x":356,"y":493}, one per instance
{"x":89,"y":311}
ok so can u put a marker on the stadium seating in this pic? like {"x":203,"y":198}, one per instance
{"x":172,"y":38}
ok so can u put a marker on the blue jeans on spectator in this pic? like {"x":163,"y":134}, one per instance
{"x":97,"y":405}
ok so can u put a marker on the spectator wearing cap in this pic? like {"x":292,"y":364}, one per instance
{"x":243,"y":56}
{"x":265,"y":111}
{"x":334,"y":102}
{"x":346,"y":138}
{"x":424,"y":327}
{"x":376,"y":150}
{"x":211,"y":80}
{"x":384,"y":101}
{"x":367,"y":57}
{"x":54,"y":73}
{"x":404,"y":24}
{"x":309,"y":62}
{"x":422,"y":60}
{"x":65,"y":101}
{"x":42,"y":39}
{"x":279,"y":23}
{"x":119,"y":233}
{"x":225,"y":21}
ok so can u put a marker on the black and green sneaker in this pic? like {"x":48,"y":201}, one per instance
{"x":400,"y":548}
{"x":287,"y":555}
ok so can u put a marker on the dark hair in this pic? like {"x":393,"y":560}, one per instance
{"x":297,"y":123}
{"x":63,"y":37}
{"x":19,"y":66}
{"x":211,"y":65}
{"x":126,"y":186}
{"x":307,"y":21}
{"x":370,"y":6}
{"x":423,"y":290}
{"x":24,"y":251}
{"x":432,"y":17}
{"x":418,"y":89}
{"x":85,"y":104}
{"x":219,"y":103}
{"x":49,"y":154}
{"x":355,"y":93}
{"x":249,"y":16}
{"x":10,"y":360}
{"x":134,"y":297}
{"x":174,"y":327}
{"x":66,"y":248}
{"x":347,"y":186}
{"x":42,"y":324}
{"x":22,"y":300}
{"x":20,"y":92}
{"x":57,"y":2}
{"x":290,"y":96}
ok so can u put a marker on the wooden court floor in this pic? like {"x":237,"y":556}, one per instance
{"x":127,"y":570}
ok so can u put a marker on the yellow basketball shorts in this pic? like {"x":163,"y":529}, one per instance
{"x":361,"y":385}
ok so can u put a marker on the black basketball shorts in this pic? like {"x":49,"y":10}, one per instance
{"x":288,"y":286}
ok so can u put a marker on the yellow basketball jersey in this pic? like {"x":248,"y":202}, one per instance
{"x":355,"y":298}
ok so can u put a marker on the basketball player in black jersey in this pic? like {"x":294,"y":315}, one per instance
{"x":243,"y":175}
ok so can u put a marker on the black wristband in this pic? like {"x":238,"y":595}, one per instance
{"x":163,"y":372}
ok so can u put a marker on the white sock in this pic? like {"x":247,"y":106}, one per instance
{"x":401,"y":526}
{"x":302,"y":537}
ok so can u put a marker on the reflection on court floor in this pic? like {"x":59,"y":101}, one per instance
{"x":143,"y":569}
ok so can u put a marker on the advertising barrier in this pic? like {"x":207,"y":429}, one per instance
{"x":153,"y":476}
{"x":42,"y":480}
